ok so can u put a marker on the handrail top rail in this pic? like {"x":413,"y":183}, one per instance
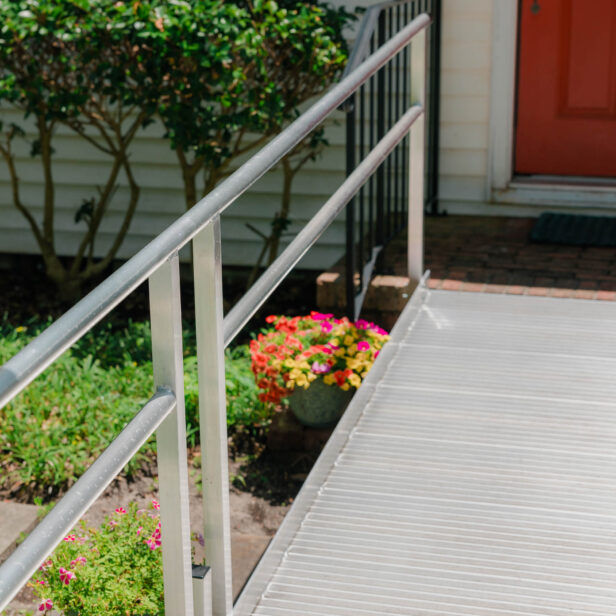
{"x":26,"y":365}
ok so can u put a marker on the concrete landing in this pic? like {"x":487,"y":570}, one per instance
{"x":15,"y":518}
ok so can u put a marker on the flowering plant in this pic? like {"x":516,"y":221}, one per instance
{"x":113,"y":569}
{"x":294,"y":352}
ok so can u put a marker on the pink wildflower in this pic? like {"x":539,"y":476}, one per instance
{"x":120,"y":510}
{"x":155,"y":504}
{"x":112,"y":523}
{"x":80,"y":560}
{"x":69,"y":538}
{"x":66,"y":576}
{"x":41,"y":582}
{"x":363,"y":346}
{"x":46,"y":565}
{"x":139,"y":530}
{"x":46,"y":604}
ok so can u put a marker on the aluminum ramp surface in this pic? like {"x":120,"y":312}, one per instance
{"x":473,"y":474}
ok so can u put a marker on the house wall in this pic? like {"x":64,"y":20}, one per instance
{"x":78,"y":167}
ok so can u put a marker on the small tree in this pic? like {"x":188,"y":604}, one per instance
{"x":238,"y":74}
{"x":81,"y":64}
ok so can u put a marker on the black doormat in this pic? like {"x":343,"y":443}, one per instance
{"x":575,"y":230}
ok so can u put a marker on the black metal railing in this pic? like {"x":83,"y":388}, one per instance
{"x":379,"y":211}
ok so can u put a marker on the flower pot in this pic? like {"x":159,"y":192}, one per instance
{"x":319,"y":406}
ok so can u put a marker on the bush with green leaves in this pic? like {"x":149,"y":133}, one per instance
{"x":113,"y":569}
{"x":53,"y":430}
{"x":82,"y":64}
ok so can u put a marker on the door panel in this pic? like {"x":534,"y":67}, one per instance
{"x":566,"y":108}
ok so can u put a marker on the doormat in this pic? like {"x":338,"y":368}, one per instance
{"x":573,"y":229}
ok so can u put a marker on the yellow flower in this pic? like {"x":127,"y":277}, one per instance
{"x":289,"y":363}
{"x":329,"y":379}
{"x":20,"y":329}
{"x":311,"y":376}
{"x":339,"y":353}
{"x":295,"y":374}
{"x":304,"y":365}
{"x":348,"y":340}
{"x":345,"y":387}
{"x":302,"y":381}
{"x":355,"y":380}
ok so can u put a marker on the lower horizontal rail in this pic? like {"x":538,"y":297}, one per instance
{"x":20,"y":566}
{"x":275,"y":273}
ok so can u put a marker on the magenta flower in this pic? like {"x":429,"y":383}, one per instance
{"x":361,"y":324}
{"x":318,"y":368}
{"x":319,"y":316}
{"x":47,"y":604}
{"x":139,"y":530}
{"x":363,"y":346}
{"x":66,"y":576}
{"x":69,"y":538}
{"x":327,"y":350}
{"x":41,"y":582}
{"x":80,"y":560}
{"x":120,"y":510}
{"x":376,"y":354}
{"x":46,"y":565}
{"x":326,"y":327}
{"x":155,"y":504}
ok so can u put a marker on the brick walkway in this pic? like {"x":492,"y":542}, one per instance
{"x":494,"y":255}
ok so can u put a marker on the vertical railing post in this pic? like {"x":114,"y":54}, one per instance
{"x":213,"y":413}
{"x":166,"y":319}
{"x":416,"y":161}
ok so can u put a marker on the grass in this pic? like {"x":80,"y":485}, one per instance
{"x":54,"y":429}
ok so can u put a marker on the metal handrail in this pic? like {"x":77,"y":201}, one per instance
{"x":158,"y":262}
{"x":246,"y":307}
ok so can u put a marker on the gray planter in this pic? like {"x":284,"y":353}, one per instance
{"x":319,"y":406}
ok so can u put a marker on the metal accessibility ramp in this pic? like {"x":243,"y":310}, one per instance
{"x":472,"y":474}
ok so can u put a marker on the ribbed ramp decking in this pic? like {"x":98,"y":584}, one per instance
{"x":473,"y":474}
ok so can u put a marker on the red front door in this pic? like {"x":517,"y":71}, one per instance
{"x":566,"y":107}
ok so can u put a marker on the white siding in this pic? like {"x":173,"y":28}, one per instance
{"x":465,"y":103}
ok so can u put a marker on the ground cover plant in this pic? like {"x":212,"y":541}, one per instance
{"x":53,"y":430}
{"x":113,"y":569}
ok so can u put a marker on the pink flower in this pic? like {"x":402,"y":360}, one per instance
{"x":326,"y":327}
{"x":319,"y":316}
{"x":376,"y":354}
{"x":112,"y":523}
{"x":363,"y":346}
{"x":41,"y":582}
{"x":155,"y":504}
{"x":318,"y":368}
{"x":80,"y":560}
{"x":47,"y":604}
{"x":69,"y":538}
{"x":120,"y":510}
{"x":66,"y":576}
{"x":327,"y":350}
{"x":139,"y":530}
{"x":46,"y":565}
{"x":361,"y":324}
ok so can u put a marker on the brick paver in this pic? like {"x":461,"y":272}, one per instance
{"x":494,"y":255}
